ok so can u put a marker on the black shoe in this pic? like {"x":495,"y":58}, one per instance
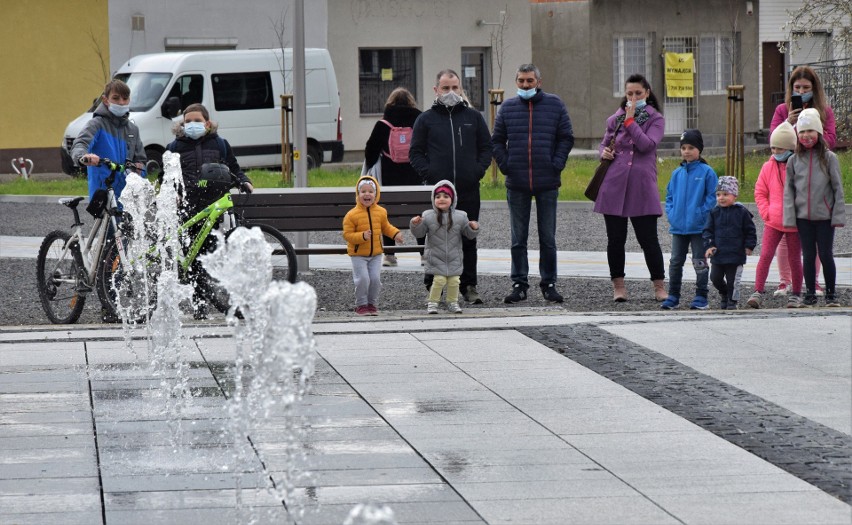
{"x":723,"y":304}
{"x":732,"y":305}
{"x":471,"y":295}
{"x":550,"y":293}
{"x":519,"y":293}
{"x":810,"y":299}
{"x":109,"y":317}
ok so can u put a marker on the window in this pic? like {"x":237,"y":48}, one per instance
{"x":380,"y":71}
{"x":629,"y":56}
{"x":240,"y":91}
{"x":714,"y":64}
{"x":145,"y":88}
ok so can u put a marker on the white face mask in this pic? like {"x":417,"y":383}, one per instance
{"x":449,"y":99}
{"x":118,"y":110}
{"x":194,"y":130}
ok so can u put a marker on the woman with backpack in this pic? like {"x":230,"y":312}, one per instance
{"x":399,"y":115}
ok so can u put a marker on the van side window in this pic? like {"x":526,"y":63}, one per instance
{"x":239,"y":91}
{"x":189,"y":89}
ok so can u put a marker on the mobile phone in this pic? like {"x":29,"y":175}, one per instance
{"x":796,"y":102}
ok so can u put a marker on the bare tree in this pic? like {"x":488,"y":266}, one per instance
{"x":499,"y":45}
{"x":99,"y":53}
{"x":832,"y":15}
{"x":279,"y":26}
{"x":733,"y":48}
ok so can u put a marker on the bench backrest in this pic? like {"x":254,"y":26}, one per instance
{"x":323,"y":209}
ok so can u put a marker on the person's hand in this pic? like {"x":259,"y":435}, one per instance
{"x":748,"y":251}
{"x":608,"y":154}
{"x":793,"y":117}
{"x":398,"y":238}
{"x":417,"y":220}
{"x":709,"y":253}
{"x":367,"y":235}
{"x":474,"y":225}
{"x":629,"y":110}
{"x":247,"y":187}
{"x":89,"y":159}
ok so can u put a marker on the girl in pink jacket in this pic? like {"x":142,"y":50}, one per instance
{"x":769,"y":197}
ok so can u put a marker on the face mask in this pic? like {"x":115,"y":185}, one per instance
{"x":526,"y":94}
{"x":782,"y":157}
{"x":806,"y":97}
{"x":449,"y":99}
{"x":194,"y":130}
{"x":118,"y":110}
{"x":641,"y":104}
{"x":807,"y":142}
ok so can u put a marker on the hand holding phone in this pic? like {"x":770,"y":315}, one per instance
{"x":796,"y":102}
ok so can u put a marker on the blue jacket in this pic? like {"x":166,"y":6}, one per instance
{"x":531,"y":142}
{"x":731,"y":231}
{"x":690,"y":195}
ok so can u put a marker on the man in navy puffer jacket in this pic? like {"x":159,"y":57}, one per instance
{"x":531,"y":142}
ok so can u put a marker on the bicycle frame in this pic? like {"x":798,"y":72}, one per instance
{"x":210,"y":215}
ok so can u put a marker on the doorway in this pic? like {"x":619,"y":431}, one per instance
{"x":475,"y":75}
{"x":773,"y":80}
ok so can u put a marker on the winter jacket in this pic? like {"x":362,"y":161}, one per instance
{"x":108,"y":136}
{"x":360,"y":219}
{"x":393,"y":174}
{"x":451,"y":143}
{"x":531,"y":142}
{"x":811,"y":193}
{"x":194,"y":153}
{"x":731,"y":231}
{"x":630,"y":187}
{"x":690,"y":195}
{"x":769,"y":194}
{"x":829,"y":127}
{"x":443,"y":253}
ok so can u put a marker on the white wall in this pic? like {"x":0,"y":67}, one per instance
{"x":439,"y":28}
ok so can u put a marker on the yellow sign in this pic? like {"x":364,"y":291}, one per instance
{"x":296,"y":155}
{"x":387,"y":74}
{"x":680,"y":71}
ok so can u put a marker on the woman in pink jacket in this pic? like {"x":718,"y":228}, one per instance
{"x":769,"y":197}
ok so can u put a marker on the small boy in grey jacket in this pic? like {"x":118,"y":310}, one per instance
{"x":443,"y":226}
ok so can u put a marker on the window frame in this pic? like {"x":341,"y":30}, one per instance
{"x":720,"y":86}
{"x":619,"y":70}
{"x":373,"y":77}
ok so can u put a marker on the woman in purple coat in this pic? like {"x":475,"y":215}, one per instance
{"x":629,"y":190}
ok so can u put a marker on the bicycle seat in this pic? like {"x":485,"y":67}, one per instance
{"x":71,"y":202}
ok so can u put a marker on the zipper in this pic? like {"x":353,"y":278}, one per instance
{"x":370,"y":222}
{"x":810,"y":174}
{"x":452,"y":132}
{"x":529,"y":145}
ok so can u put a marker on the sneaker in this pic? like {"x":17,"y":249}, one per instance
{"x":550,"y":294}
{"x":471,"y":295}
{"x":671,"y":302}
{"x":362,"y":310}
{"x":723,"y":304}
{"x":431,"y":308}
{"x":810,"y":299}
{"x":390,"y":260}
{"x":831,"y":300}
{"x":372,"y":310}
{"x":819,"y":292}
{"x":756,"y":300}
{"x":454,"y":308}
{"x":781,"y":291}
{"x":794,"y":301}
{"x":699,"y":303}
{"x":519,"y":293}
{"x":732,"y":305}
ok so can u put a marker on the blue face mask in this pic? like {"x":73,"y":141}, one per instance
{"x":526,"y":94}
{"x":782,"y":157}
{"x":194,"y":130}
{"x":641,"y":104}
{"x":806,"y":97}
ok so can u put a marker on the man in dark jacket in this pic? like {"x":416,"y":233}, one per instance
{"x":451,"y":141}
{"x":531,"y":142}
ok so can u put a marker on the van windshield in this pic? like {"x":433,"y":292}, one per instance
{"x":145,"y":88}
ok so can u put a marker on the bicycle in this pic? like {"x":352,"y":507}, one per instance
{"x":68,"y":265}
{"x":284,"y":266}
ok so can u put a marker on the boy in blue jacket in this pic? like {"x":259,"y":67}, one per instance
{"x":690,"y":195}
{"x":729,"y":236}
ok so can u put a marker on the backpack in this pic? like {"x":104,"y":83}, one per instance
{"x":399,"y":143}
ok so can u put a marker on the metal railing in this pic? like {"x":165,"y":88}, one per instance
{"x":836,"y":77}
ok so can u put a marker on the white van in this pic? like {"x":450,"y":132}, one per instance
{"x":241,"y":89}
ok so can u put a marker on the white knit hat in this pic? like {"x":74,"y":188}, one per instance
{"x":784,"y":136}
{"x":809,"y":119}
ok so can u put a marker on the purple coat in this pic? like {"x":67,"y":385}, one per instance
{"x":630,"y":187}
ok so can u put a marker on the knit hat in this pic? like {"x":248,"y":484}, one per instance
{"x":809,"y":119}
{"x":693,"y":138}
{"x":784,"y":136}
{"x":445,"y":188}
{"x":728,"y":184}
{"x":362,"y":182}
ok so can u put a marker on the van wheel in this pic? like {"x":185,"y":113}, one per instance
{"x":154,"y":166}
{"x":314,"y":157}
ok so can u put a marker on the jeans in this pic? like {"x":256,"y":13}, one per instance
{"x":645,"y":228}
{"x":520,"y":204}
{"x":817,"y":237}
{"x":680,"y":245}
{"x":367,"y":275}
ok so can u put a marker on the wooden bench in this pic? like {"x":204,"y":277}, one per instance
{"x":323,"y":209}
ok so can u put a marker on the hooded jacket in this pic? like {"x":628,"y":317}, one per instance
{"x":769,"y":194}
{"x":362,"y":218}
{"x":811,"y":193}
{"x":731,"y":231}
{"x":531,"y":142}
{"x":393,"y":174}
{"x":451,"y":143}
{"x":690,"y":195}
{"x":443,"y":253}
{"x":108,"y":136}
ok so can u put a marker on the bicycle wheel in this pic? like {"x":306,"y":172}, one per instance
{"x":118,"y":290}
{"x":60,"y":279}
{"x":283,"y":266}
